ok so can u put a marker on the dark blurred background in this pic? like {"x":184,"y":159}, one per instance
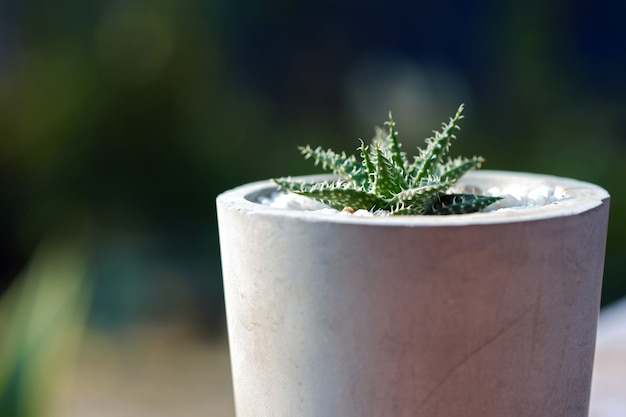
{"x":122,"y":120}
{"x":133,"y":115}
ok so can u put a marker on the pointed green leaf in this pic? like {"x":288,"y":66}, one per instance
{"x":456,"y":168}
{"x":296,"y":186}
{"x":460,"y":203}
{"x":389,"y":179}
{"x":397,"y":157}
{"x":368,"y":166}
{"x":341,"y":164}
{"x":419,"y":196}
{"x":407,"y":211}
{"x":339,"y":198}
{"x":338,"y":194}
{"x":437,"y":147}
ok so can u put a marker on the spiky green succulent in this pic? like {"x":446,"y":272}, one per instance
{"x":384,"y":178}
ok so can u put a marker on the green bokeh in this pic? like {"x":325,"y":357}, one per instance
{"x":136,"y":114}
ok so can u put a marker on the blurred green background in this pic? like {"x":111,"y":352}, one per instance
{"x":122,"y":120}
{"x":130,"y":116}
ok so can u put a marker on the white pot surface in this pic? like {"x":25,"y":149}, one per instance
{"x":485,"y":314}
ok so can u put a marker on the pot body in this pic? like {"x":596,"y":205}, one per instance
{"x":485,"y":315}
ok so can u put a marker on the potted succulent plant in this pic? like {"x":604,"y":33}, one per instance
{"x":453,"y":294}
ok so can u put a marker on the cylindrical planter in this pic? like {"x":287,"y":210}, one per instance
{"x":487,"y":314}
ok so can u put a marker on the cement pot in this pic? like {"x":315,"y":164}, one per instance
{"x":487,"y":314}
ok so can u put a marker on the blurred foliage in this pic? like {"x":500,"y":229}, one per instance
{"x":41,"y":322}
{"x":136,"y":113}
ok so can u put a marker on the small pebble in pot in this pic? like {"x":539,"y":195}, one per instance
{"x":348,"y":210}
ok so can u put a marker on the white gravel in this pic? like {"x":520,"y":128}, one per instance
{"x":515,"y":197}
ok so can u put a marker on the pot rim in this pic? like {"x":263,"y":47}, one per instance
{"x":580,"y":196}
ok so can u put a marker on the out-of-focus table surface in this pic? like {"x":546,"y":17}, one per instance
{"x":160,"y":371}
{"x":167,"y":371}
{"x":608,"y":388}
